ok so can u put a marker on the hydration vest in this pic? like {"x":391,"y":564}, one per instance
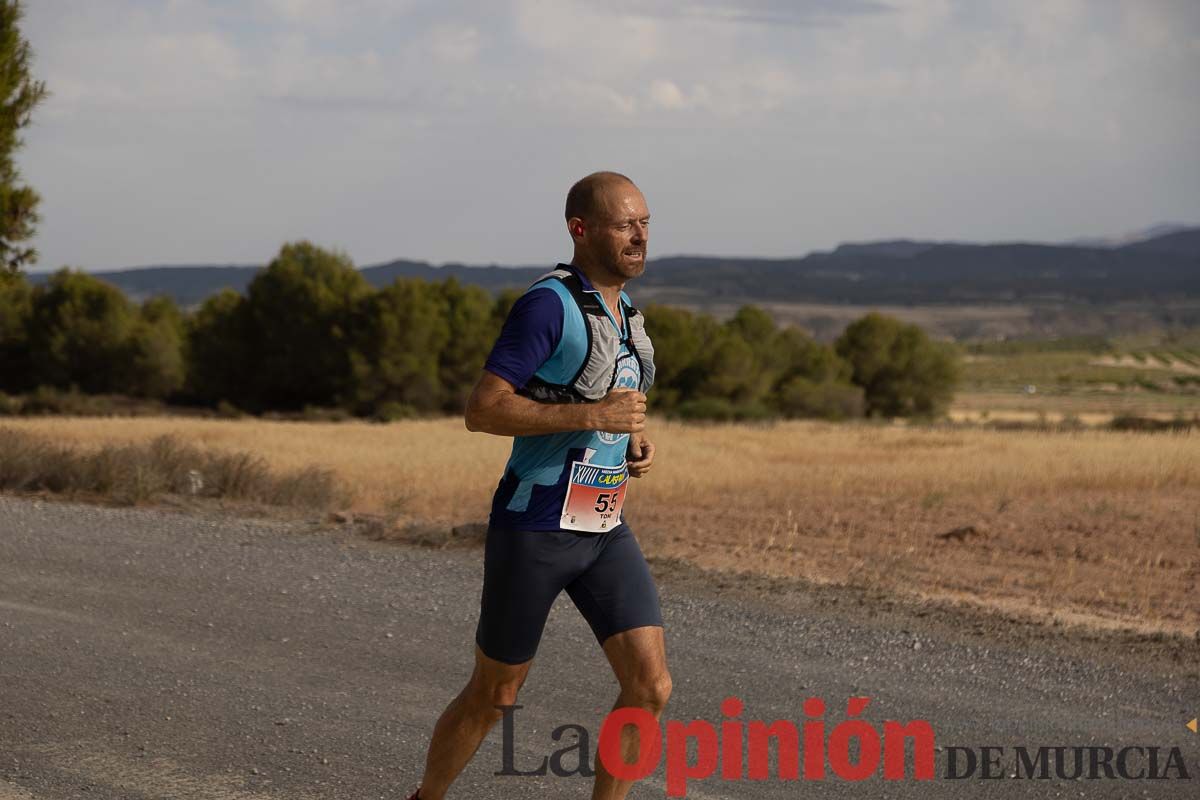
{"x":597,"y":374}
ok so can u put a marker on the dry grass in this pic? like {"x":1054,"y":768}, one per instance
{"x":142,"y":471}
{"x":1094,"y":526}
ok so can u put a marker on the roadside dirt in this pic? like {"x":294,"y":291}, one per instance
{"x":1006,"y":574}
{"x":1102,"y":560}
{"x":975,"y":558}
{"x":1077,"y":561}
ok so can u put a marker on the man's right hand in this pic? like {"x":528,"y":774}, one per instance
{"x":621,"y":411}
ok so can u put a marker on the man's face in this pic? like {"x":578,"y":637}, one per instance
{"x":618,"y":235}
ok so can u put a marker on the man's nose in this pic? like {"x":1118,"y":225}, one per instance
{"x":639,"y":232}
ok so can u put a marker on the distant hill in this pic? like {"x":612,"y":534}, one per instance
{"x":1163,"y":267}
{"x":190,"y":285}
{"x":894,"y":248}
{"x":1133,"y":237}
{"x":1185,"y":243}
{"x":941,"y":274}
{"x":493,"y":278}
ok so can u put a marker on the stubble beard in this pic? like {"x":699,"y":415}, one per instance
{"x":626,"y":272}
{"x":626,"y":269}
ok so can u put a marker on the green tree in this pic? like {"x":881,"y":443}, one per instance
{"x":503,"y":304}
{"x":216,"y":343}
{"x":399,"y":333}
{"x":472,"y":330}
{"x":298,"y":314}
{"x":902,"y":372}
{"x":733,"y":369}
{"x":680,"y":338}
{"x":79,"y":333}
{"x":811,"y":379}
{"x":155,"y":362}
{"x":16,"y":307}
{"x":19,"y":94}
{"x":796,"y":354}
{"x":754,"y":326}
{"x":745,"y":368}
{"x":737,"y":364}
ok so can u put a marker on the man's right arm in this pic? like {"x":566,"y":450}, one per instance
{"x":495,"y":407}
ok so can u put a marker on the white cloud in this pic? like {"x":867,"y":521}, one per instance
{"x":303,"y":12}
{"x":665,"y":94}
{"x":292,"y":68}
{"x":1053,"y":21}
{"x":1150,"y":30}
{"x":454,"y":44}
{"x":368,"y":116}
{"x":920,"y":18}
{"x":760,"y":12}
{"x":330,"y":15}
{"x":588,"y":36}
{"x":158,"y":61}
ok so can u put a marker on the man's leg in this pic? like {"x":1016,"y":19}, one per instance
{"x":639,"y":659}
{"x":468,"y":718}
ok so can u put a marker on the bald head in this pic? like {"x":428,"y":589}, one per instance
{"x":586,"y":198}
{"x":610,"y":226}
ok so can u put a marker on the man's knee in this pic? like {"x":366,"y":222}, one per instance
{"x":488,"y":698}
{"x":652,"y":691}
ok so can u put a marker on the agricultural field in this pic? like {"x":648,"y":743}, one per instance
{"x":1095,"y":528}
{"x":1086,"y":378}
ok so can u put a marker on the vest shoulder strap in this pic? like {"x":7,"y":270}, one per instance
{"x":588,"y":303}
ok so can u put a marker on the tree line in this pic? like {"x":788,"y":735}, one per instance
{"x":310,"y":332}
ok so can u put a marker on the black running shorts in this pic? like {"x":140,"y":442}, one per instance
{"x":604,"y":573}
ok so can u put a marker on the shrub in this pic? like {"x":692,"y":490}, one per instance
{"x":133,"y":473}
{"x":393,"y":412}
{"x":717,"y":409}
{"x":319,"y":414}
{"x":800,"y":397}
{"x":227,"y":410}
{"x":1132,"y":422}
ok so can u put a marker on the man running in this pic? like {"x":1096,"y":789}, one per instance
{"x":567,"y":378}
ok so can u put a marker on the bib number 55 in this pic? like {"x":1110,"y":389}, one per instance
{"x":604,"y":502}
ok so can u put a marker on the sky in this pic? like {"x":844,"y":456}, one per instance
{"x":213,"y":131}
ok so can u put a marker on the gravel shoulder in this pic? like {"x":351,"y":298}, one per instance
{"x":150,"y":653}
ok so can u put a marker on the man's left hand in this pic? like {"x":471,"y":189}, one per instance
{"x":640,"y":455}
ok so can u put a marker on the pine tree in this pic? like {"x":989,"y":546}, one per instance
{"x":19,"y":93}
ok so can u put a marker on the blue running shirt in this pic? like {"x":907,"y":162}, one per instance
{"x":545,"y":335}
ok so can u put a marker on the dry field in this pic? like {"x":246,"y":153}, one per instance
{"x":1091,"y":408}
{"x":1094,"y":528}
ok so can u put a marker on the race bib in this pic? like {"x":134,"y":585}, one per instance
{"x":595,"y":495}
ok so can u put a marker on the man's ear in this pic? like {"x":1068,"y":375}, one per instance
{"x":575,"y":227}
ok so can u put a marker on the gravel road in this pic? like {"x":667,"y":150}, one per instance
{"x":157,"y":654}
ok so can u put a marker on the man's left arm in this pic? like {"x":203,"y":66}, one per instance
{"x":640,"y":454}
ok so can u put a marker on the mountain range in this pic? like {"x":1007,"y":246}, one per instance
{"x":1161,"y":267}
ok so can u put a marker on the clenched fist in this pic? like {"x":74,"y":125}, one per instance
{"x":621,"y":411}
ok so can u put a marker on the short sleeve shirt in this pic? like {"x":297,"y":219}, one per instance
{"x":545,"y":335}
